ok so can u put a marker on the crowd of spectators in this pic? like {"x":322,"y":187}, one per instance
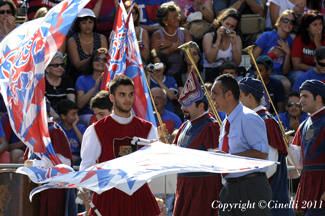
{"x":289,"y":51}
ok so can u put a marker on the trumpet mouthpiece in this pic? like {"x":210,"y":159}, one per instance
{"x":185,"y":45}
{"x":249,"y":49}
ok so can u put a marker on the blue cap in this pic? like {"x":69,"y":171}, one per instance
{"x":266,"y":61}
{"x":251,"y":85}
{"x":314,"y":86}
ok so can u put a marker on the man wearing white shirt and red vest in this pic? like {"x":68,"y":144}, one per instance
{"x":110,"y":138}
{"x":243,"y":133}
{"x":251,"y":93}
{"x":308,"y":149}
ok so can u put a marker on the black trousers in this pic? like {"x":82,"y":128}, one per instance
{"x":248,"y":197}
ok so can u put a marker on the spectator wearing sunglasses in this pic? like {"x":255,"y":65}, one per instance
{"x":293,"y":117}
{"x":318,"y":72}
{"x":57,"y":85}
{"x":8,"y":13}
{"x":310,"y":37}
{"x":277,"y":45}
{"x":88,"y":85}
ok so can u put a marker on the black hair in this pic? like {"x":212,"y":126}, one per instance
{"x":228,"y":65}
{"x":119,"y":80}
{"x":162,"y":56}
{"x":11,"y":5}
{"x":101,"y":101}
{"x":80,"y":19}
{"x":315,"y":95}
{"x":257,"y":99}
{"x":65,"y":105}
{"x":163,"y":10}
{"x":197,"y":103}
{"x":89,"y":69}
{"x":229,"y":83}
{"x":309,"y":17}
{"x":230,"y":12}
{"x":291,"y":94}
{"x":320,"y":53}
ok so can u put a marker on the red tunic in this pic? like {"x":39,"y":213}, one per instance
{"x":115,"y":140}
{"x":195,"y":192}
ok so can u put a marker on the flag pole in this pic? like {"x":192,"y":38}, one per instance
{"x":186,"y":48}
{"x":156,"y":111}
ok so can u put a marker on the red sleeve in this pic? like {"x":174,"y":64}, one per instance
{"x":297,"y":46}
{"x":297,"y":139}
{"x":275,"y":136}
{"x":60,"y":143}
{"x":25,"y":156}
{"x":91,"y":4}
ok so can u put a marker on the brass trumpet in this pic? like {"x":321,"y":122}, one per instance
{"x":186,"y":48}
{"x":249,"y":50}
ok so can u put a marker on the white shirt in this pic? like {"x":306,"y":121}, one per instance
{"x":91,"y":148}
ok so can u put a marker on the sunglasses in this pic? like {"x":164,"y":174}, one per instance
{"x":288,"y":21}
{"x":174,"y":17}
{"x":297,"y":104}
{"x":57,"y":65}
{"x":6,"y":11}
{"x":97,"y":59}
{"x":321,"y":64}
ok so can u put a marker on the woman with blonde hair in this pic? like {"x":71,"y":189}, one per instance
{"x":277,"y":45}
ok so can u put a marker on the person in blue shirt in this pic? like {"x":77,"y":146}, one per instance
{"x":293,"y":117}
{"x":243,"y":133}
{"x":317,"y":72}
{"x":68,"y":111}
{"x":273,"y":86}
{"x":171,"y":120}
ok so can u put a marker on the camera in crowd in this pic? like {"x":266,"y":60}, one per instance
{"x":156,"y":66}
{"x":227,"y":31}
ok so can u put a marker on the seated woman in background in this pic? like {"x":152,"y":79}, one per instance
{"x":222,"y":43}
{"x":188,"y":7}
{"x":277,"y":45}
{"x":310,"y":37}
{"x":88,"y":85}
{"x":182,"y":75}
{"x":8,"y":13}
{"x":84,"y":42}
{"x":158,"y":79}
{"x":171,"y":36}
{"x":141,"y":33}
{"x":57,"y":85}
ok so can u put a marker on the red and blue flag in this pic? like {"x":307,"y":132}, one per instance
{"x":24,"y":54}
{"x":124,"y":59}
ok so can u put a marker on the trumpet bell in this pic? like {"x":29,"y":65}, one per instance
{"x":249,"y":49}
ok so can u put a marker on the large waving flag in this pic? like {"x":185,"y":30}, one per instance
{"x":124,"y":59}
{"x":24,"y":54}
{"x":130,"y":172}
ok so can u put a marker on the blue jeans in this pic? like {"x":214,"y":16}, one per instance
{"x":293,"y":76}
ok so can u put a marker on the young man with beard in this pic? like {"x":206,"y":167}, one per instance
{"x":110,"y":138}
{"x":195,"y":192}
{"x":308,"y":149}
{"x":242,"y":133}
{"x":251,"y":92}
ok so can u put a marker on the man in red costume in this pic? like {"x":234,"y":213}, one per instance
{"x":308,"y":149}
{"x":110,"y":138}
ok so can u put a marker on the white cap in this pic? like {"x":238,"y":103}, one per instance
{"x":85,"y":12}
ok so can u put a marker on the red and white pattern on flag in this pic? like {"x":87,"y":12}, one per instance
{"x":191,"y":92}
